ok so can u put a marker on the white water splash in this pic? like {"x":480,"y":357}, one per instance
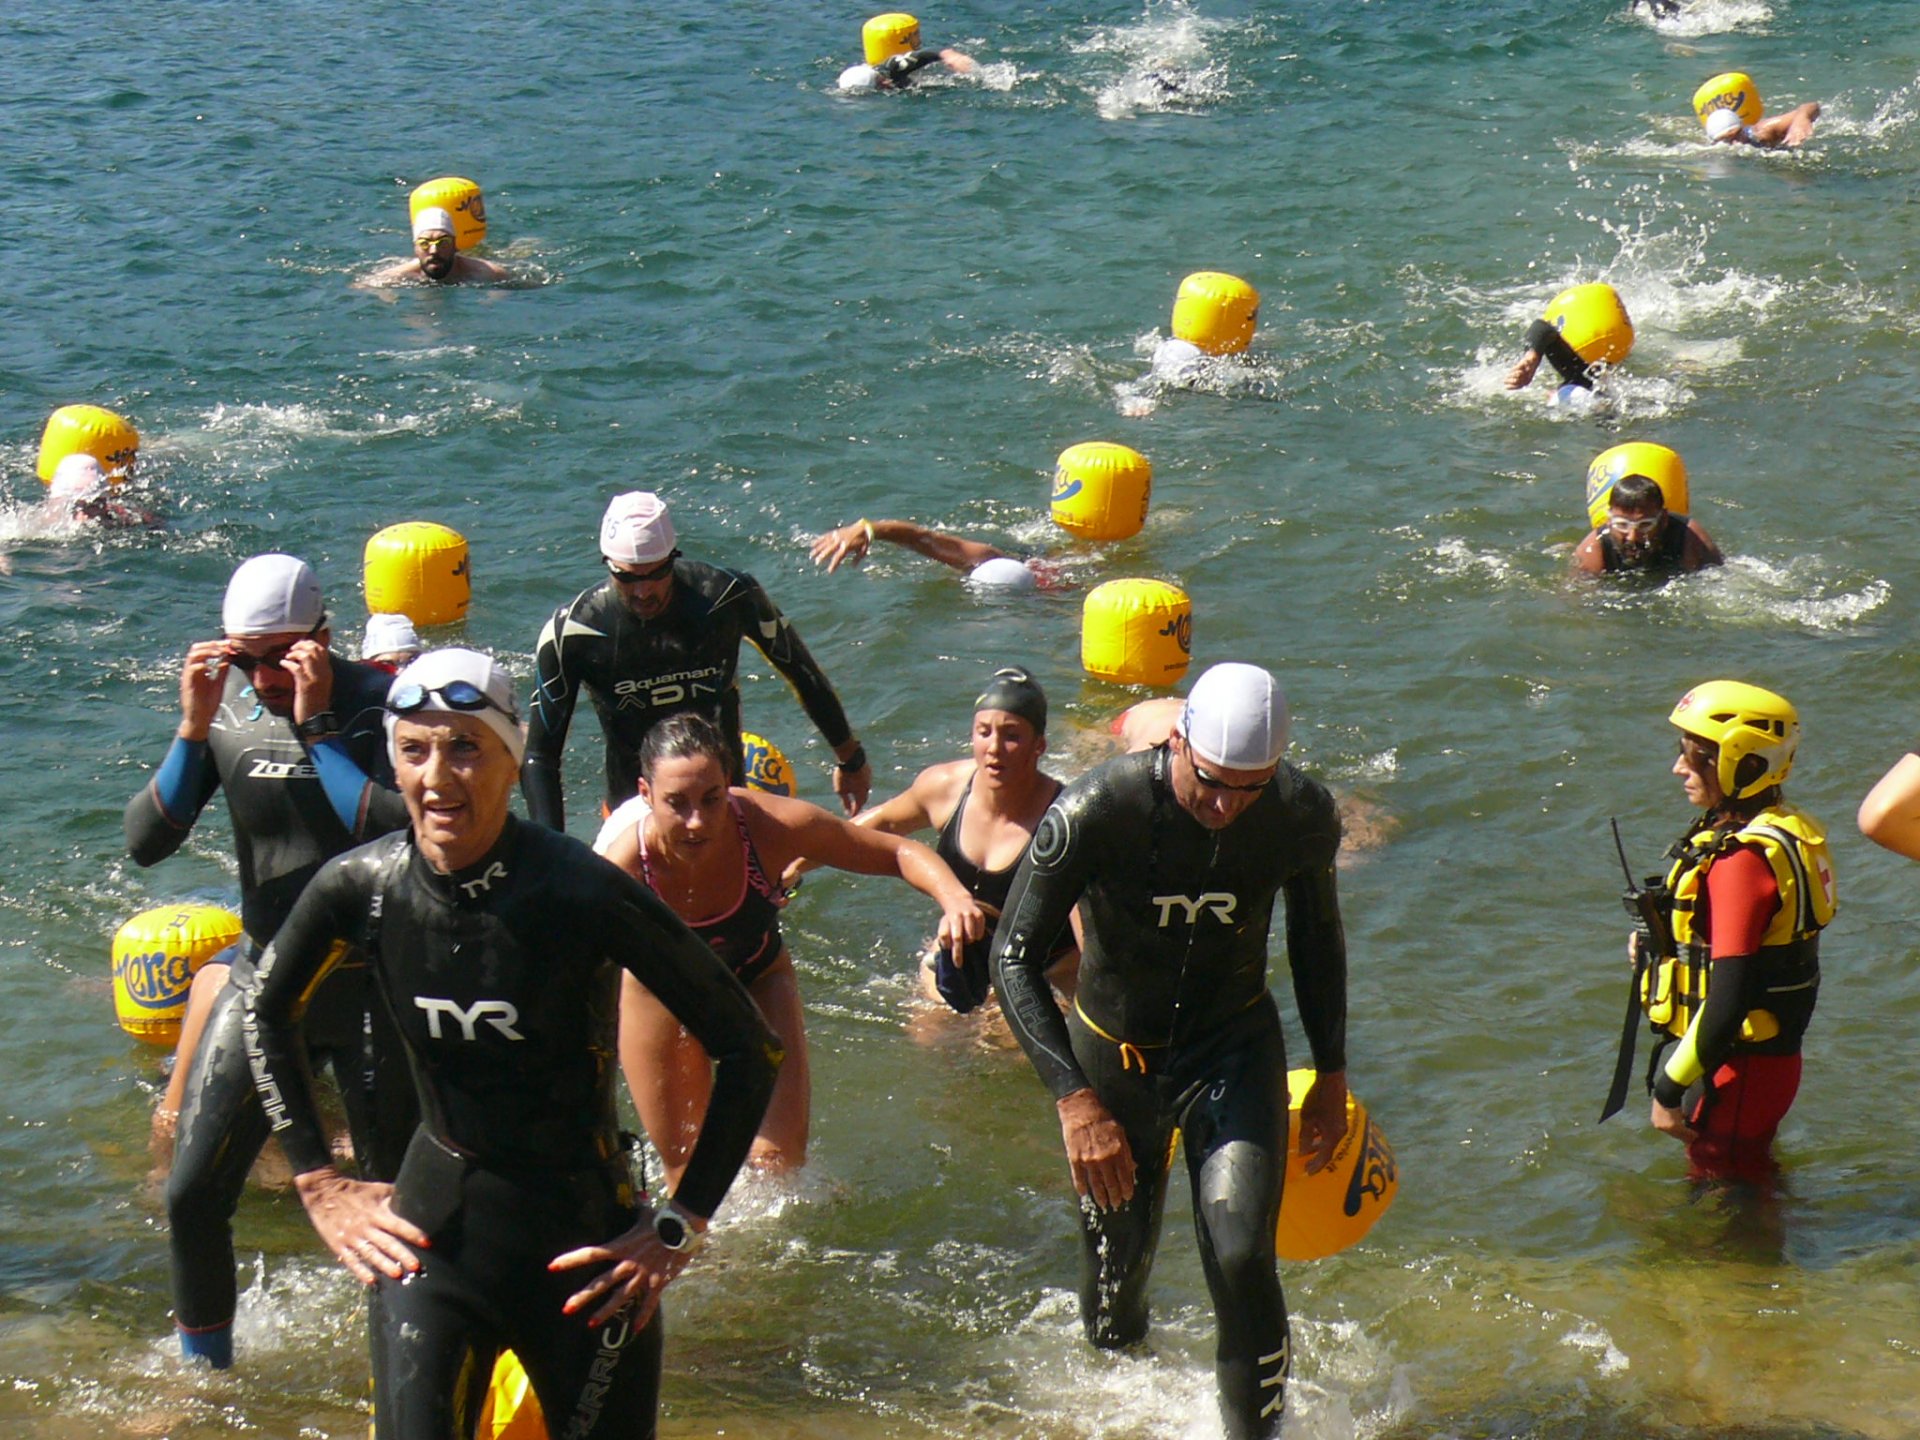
{"x":1168,"y":62}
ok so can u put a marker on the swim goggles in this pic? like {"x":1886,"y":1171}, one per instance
{"x":459,"y":695}
{"x":644,"y":577}
{"x":274,"y":659}
{"x":1214,"y":782}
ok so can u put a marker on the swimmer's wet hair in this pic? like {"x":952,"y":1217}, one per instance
{"x":682,"y":736}
{"x":1637,"y":492}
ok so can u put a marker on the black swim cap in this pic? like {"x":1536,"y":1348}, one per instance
{"x":1016,"y":692}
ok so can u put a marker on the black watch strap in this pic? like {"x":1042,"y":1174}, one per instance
{"x":856,"y":761}
{"x":318,"y":727}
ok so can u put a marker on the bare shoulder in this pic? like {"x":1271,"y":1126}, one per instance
{"x":1587,"y":556}
{"x":939,"y":787}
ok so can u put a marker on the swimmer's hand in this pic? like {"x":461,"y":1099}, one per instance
{"x":962,"y":919}
{"x":957,"y":61}
{"x":1521,"y":375}
{"x":1323,"y":1119}
{"x":356,"y":1219}
{"x":1672,"y":1122}
{"x":312,"y":676}
{"x":847,"y":545}
{"x":1097,"y":1150}
{"x":638,"y":1268}
{"x":203,"y":678}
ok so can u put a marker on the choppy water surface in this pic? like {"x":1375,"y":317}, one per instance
{"x":785,"y":310}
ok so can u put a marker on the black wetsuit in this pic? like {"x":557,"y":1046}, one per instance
{"x":966,"y":986}
{"x":1174,"y":1027}
{"x":896,"y":71}
{"x":284,"y":829}
{"x":1666,"y":553}
{"x":1546,"y":341}
{"x":503,"y":982}
{"x":640,"y":671}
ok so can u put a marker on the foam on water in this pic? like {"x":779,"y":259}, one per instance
{"x":1708,"y":17}
{"x":1170,"y":61}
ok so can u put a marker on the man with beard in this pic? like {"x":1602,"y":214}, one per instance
{"x":662,"y":635}
{"x":1642,"y":534}
{"x":436,"y":257}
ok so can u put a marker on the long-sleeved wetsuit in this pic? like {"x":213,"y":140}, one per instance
{"x":503,"y":981}
{"x":284,"y":829}
{"x":640,"y":671}
{"x":1174,"y":1028}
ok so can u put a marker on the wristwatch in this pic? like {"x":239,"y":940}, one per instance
{"x":671,"y":1229}
{"x":318,"y":727}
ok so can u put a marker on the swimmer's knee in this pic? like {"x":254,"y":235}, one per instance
{"x":775,"y":1157}
{"x":1115,"y":1329}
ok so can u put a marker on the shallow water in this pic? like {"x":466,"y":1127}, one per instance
{"x":786,"y":309}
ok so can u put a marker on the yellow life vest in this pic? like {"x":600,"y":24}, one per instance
{"x":1673,"y":991}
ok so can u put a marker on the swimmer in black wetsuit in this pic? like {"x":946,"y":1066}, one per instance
{"x":716,"y":855}
{"x":661,"y":636}
{"x":250,"y":706}
{"x":1642,"y":534}
{"x":985,"y":809}
{"x":1176,"y":855}
{"x":495,"y":945}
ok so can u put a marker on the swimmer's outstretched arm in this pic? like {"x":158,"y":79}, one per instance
{"x":392,"y":273}
{"x":850,"y":543}
{"x":957,"y":61}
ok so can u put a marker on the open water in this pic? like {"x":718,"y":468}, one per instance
{"x":785,"y":309}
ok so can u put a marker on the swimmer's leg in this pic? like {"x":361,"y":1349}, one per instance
{"x":668,"y":1075}
{"x":207,"y":982}
{"x":782,"y":1141}
{"x":432,"y":1356}
{"x":1117,"y":1246}
{"x":222,"y":1128}
{"x":1235,"y":1133}
{"x":596,"y":1383}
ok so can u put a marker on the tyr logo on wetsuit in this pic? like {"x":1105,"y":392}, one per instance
{"x":1217,"y":903}
{"x":502,"y":1015}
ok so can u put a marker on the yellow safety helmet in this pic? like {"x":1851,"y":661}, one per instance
{"x":1744,"y":721}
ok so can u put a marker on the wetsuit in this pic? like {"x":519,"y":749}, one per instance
{"x":1546,"y":341}
{"x":503,"y":982}
{"x":640,"y":671}
{"x":283,"y":830}
{"x":746,"y":936}
{"x":1174,"y":1028}
{"x":966,"y":986}
{"x":1734,"y":1008}
{"x":896,"y":71}
{"x":1666,"y":554}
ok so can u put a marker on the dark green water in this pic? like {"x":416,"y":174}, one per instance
{"x":785,"y":310}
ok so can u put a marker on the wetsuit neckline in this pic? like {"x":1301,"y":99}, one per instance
{"x":472,"y":884}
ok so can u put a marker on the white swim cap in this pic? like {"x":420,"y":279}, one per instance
{"x":387,"y":634}
{"x":859,"y":77}
{"x":1722,"y":123}
{"x":1002,"y":573}
{"x":1177,"y":361}
{"x":427,"y":679}
{"x":76,"y":479}
{"x":433,"y":218}
{"x":636,"y":530}
{"x":272,"y":595}
{"x":1236,"y":718}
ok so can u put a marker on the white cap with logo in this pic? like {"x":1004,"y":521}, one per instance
{"x":272,"y":595}
{"x":636,"y":530}
{"x":1722,"y":123}
{"x":434,"y":671}
{"x":433,"y":219}
{"x":1236,"y":718}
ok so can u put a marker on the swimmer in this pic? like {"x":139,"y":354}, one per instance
{"x":894,"y":56}
{"x":252,"y":704}
{"x":717,"y":854}
{"x":390,"y":643}
{"x":513,"y":1221}
{"x":1658,"y":9}
{"x":436,"y":257}
{"x":1544,"y":342}
{"x":1786,"y":131}
{"x":985,"y":808}
{"x":1890,"y":815}
{"x":1754,"y":875}
{"x":1642,"y":534}
{"x":1176,"y":856}
{"x":662,"y":635}
{"x":984,"y":564}
{"x":82,"y":493}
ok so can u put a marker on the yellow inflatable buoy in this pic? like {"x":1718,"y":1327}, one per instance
{"x":1636,"y":457}
{"x":885,"y":36}
{"x":511,"y":1410}
{"x":1100,"y":490}
{"x":766,"y":766}
{"x":1593,"y":320}
{"x":459,"y":197}
{"x":1217,"y":312}
{"x":88,"y":430}
{"x":156,"y":954}
{"x":1732,"y":91}
{"x":419,"y":569}
{"x":1323,"y":1214}
{"x":1137,"y":632}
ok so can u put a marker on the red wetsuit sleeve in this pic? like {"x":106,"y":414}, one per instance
{"x":1742,"y":898}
